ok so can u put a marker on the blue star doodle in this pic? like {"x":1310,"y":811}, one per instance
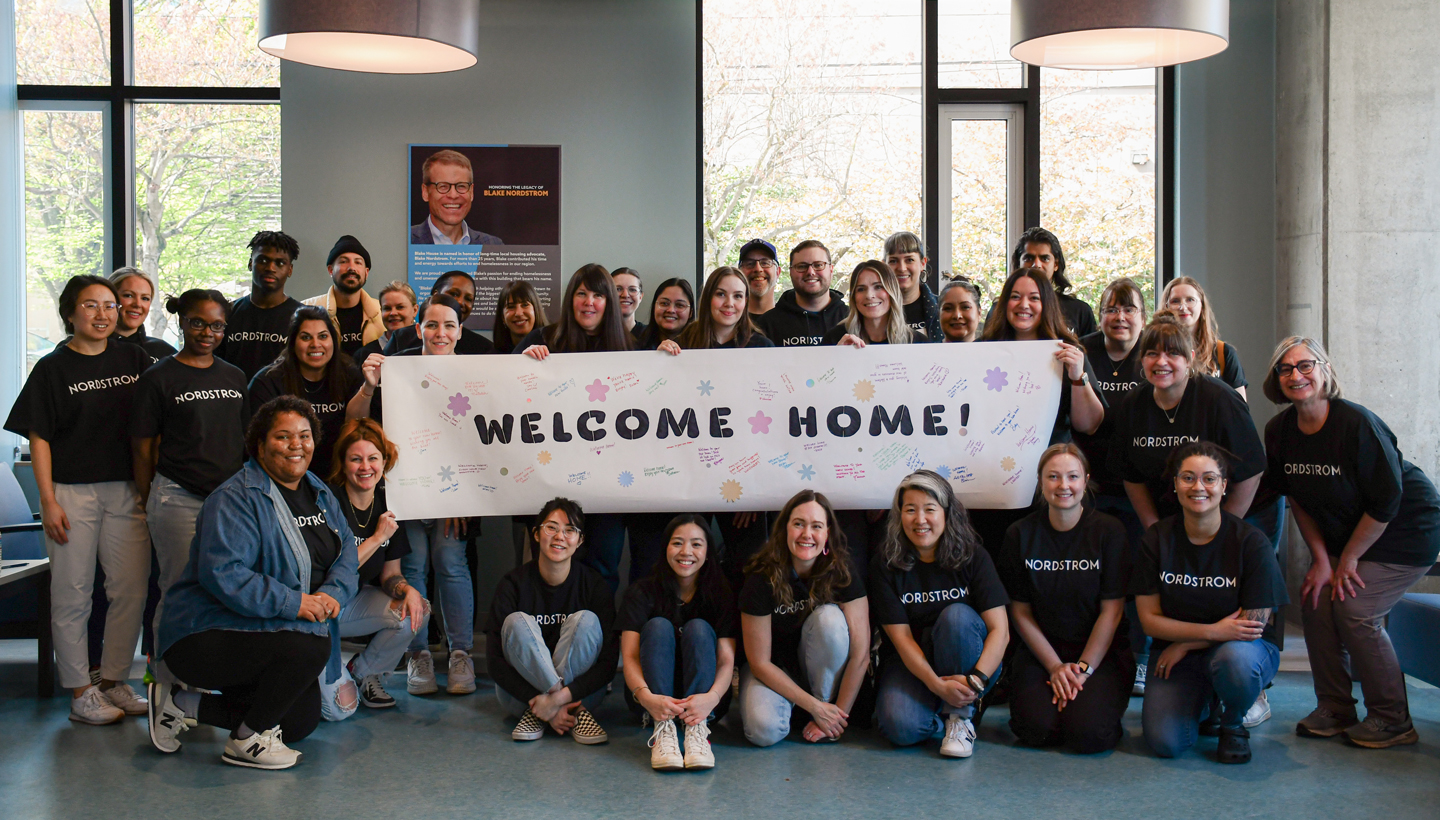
{"x":446,"y":474}
{"x":806,"y":472}
{"x":626,"y":479}
{"x":704,"y":388}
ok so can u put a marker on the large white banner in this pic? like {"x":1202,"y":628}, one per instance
{"x":713,"y":430}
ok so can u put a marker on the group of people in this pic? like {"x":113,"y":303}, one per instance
{"x":229,"y":498}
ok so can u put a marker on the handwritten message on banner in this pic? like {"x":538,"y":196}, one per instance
{"x":714,"y":430}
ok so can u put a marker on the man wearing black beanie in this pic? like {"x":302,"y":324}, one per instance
{"x":355,"y":312}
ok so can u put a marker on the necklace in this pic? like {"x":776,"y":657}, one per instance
{"x":1169,"y":415}
{"x":354,"y":513}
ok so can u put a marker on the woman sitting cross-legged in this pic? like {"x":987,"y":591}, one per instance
{"x":386,"y":607}
{"x":804,"y":618}
{"x":548,"y":636}
{"x":255,"y":614}
{"x":942,"y":608}
{"x":1206,"y":585}
{"x":677,"y":637}
{"x":1066,"y":570}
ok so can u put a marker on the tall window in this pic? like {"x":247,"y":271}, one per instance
{"x":159,"y":150}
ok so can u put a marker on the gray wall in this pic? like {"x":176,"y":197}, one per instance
{"x":1225,"y":186}
{"x":612,"y":83}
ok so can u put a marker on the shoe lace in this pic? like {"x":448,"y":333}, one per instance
{"x":372,"y":686}
{"x":697,"y":733}
{"x":1375,"y":724}
{"x":458,"y":663}
{"x":665,"y":737}
{"x":958,"y":730}
{"x":95,"y":699}
{"x":424,"y":665}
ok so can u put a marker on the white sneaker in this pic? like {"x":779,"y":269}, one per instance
{"x":420,"y":674}
{"x":698,"y":754}
{"x":94,"y":708}
{"x":262,"y":750}
{"x":167,"y":720}
{"x":1138,"y":689}
{"x":959,"y":737}
{"x":665,"y":747}
{"x":1258,"y":713}
{"x":460,"y":679}
{"x":122,"y":697}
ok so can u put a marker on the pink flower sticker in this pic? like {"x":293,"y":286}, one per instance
{"x":759,"y":423}
{"x":597,"y":390}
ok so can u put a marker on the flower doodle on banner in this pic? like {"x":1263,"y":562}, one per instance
{"x":759,"y":423}
{"x":806,"y":472}
{"x":996,"y":379}
{"x":627,"y":478}
{"x":597,"y":390}
{"x":864,"y":390}
{"x":942,"y":471}
{"x":731,"y":490}
{"x":704,"y":388}
{"x":544,"y":457}
{"x":459,"y":404}
{"x":447,"y":474}
{"x":1007,"y":464}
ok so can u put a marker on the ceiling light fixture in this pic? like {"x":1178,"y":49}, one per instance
{"x":1117,"y":34}
{"x":378,"y":36}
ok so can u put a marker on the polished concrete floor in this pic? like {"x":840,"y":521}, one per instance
{"x":443,"y":757}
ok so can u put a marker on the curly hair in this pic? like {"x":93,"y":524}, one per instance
{"x":277,"y":240}
{"x":355,"y":431}
{"x":958,"y":542}
{"x":773,"y":560}
{"x":264,"y":420}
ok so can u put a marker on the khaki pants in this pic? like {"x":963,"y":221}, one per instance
{"x":106,"y":522}
{"x":1347,"y":642}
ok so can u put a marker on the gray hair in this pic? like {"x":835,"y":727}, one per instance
{"x":121,"y":274}
{"x":1271,"y":386}
{"x":957,"y":544}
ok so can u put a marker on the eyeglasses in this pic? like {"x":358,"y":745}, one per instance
{"x":94,"y":307}
{"x":570,"y":531}
{"x":767,"y":264}
{"x":444,"y":187}
{"x":1305,"y":366}
{"x":679,"y":304}
{"x":197,"y":324}
{"x":803,"y":268}
{"x":632,"y":290}
{"x":1128,"y":310}
{"x":1208,"y":480}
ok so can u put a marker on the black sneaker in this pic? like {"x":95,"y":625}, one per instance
{"x":587,"y":730}
{"x":1234,"y":745}
{"x":373,"y":694}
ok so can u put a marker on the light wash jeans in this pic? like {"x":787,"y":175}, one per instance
{"x":170,"y":513}
{"x":907,"y":711}
{"x":452,"y":577}
{"x":581,"y":640}
{"x":1237,"y":671}
{"x":370,"y":612}
{"x":106,"y":522}
{"x":824,"y":651}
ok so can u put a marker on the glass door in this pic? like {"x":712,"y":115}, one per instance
{"x":982,"y":208}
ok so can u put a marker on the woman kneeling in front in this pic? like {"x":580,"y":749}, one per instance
{"x":1066,"y":570}
{"x":804,"y":618}
{"x":255,"y":613}
{"x":940,"y":603}
{"x":548,"y":636}
{"x":1206,"y":586}
{"x":677,"y":636}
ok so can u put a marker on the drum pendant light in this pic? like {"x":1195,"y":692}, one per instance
{"x":378,"y":36}
{"x":1117,"y":34}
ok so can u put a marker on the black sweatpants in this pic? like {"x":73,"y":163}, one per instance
{"x":1091,"y":722}
{"x":265,"y":679}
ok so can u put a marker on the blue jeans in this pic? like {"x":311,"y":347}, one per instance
{"x":907,"y":711}
{"x":1236,"y":671}
{"x":686,"y":657}
{"x":824,"y":651}
{"x":370,"y":612}
{"x":581,"y":639}
{"x":604,"y":544}
{"x":452,"y":576}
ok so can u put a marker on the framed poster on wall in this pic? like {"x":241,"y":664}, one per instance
{"x":492,"y":211}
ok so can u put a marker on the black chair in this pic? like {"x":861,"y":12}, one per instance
{"x":25,"y":604}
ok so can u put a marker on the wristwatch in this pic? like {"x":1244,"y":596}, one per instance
{"x":1082,"y":381}
{"x":1085,"y":668}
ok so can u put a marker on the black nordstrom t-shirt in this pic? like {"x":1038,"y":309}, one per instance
{"x":1203,"y":583}
{"x":394,"y":548}
{"x":1114,"y":380}
{"x":1064,"y":576}
{"x":352,"y":327}
{"x":643,"y":599}
{"x":1144,"y":436}
{"x":918,"y":595}
{"x":321,"y":539}
{"x":200,"y":415}
{"x":757,"y":598}
{"x":157,"y":348}
{"x":270,"y":383}
{"x":255,"y":336}
{"x":915,"y":317}
{"x":81,"y":406}
{"x":524,"y":590}
{"x":1351,"y":467}
{"x":1230,"y":370}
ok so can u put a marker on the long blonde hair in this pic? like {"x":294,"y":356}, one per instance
{"x":1207,"y":331}
{"x":897,"y":330}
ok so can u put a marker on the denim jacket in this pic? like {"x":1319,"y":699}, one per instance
{"x":249,"y":565}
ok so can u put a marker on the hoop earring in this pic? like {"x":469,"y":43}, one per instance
{"x":825,"y":551}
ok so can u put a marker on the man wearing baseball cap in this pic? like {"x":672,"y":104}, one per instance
{"x":355,"y":312}
{"x":762,"y":270}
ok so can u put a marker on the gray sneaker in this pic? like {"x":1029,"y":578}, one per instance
{"x":420,"y":674}
{"x":1373,"y":733}
{"x":1324,"y":723}
{"x":461,"y":677}
{"x":94,"y":708}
